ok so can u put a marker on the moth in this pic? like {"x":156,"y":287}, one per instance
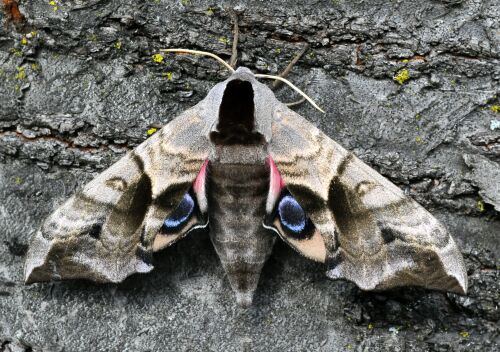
{"x":249,"y":170}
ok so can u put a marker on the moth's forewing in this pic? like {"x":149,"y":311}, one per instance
{"x":106,"y":231}
{"x":374,"y":235}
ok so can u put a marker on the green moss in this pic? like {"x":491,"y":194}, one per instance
{"x":118,"y":44}
{"x":402,"y":76}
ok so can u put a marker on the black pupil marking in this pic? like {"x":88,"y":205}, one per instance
{"x":293,"y":218}
{"x":95,"y":231}
{"x":180,"y":216}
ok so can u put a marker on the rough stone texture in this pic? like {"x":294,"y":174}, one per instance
{"x":84,"y":89}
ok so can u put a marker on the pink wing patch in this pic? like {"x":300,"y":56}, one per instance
{"x":276,"y":184}
{"x":199,"y":187}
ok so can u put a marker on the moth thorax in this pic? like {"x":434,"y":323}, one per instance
{"x":236,"y":123}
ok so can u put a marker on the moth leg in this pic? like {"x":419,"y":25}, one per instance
{"x":287,"y":70}
{"x":236,"y":31}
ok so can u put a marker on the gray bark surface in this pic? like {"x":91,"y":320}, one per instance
{"x":82,"y":88}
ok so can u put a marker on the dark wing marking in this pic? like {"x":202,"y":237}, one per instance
{"x":375,"y":235}
{"x":107,"y":231}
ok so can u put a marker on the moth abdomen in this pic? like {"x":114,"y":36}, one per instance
{"x":236,"y":205}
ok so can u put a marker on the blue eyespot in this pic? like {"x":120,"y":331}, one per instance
{"x":291,"y":214}
{"x":180,"y":215}
{"x":293,"y":219}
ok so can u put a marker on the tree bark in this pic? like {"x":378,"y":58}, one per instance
{"x":411,"y":87}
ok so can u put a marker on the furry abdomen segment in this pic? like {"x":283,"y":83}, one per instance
{"x":236,"y":205}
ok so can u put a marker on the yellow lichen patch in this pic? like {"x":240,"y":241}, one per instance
{"x":118,"y":45}
{"x":464,"y":334}
{"x":370,"y":326}
{"x":277,"y":51}
{"x":34,"y":66}
{"x":21,"y":74}
{"x":167,"y":75}
{"x":18,"y":180}
{"x":402,"y":76}
{"x":405,"y":61}
{"x":158,"y":58}
{"x":480,"y":205}
{"x":151,"y":131}
{"x":210,"y":11}
{"x":419,"y":140}
{"x":24,"y":41}
{"x":16,"y":52}
{"x":33,"y":34}
{"x":224,"y":40}
{"x":495,"y":108}
{"x":54,"y":5}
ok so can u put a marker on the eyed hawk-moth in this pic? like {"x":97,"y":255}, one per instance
{"x":249,"y":170}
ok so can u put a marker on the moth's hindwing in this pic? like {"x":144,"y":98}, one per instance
{"x":288,"y":218}
{"x":373,"y":234}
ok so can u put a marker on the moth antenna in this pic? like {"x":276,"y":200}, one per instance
{"x":259,"y":75}
{"x":295,"y":88}
{"x":198,"y":52}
